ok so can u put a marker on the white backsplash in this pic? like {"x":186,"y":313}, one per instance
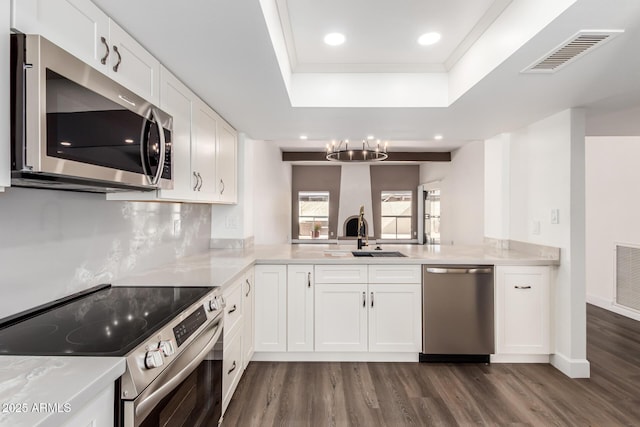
{"x":55,"y":243}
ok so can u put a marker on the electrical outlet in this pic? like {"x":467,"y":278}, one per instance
{"x":555,"y":216}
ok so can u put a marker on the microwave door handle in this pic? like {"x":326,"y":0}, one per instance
{"x":163,"y":152}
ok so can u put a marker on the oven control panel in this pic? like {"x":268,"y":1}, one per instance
{"x":183,"y":330}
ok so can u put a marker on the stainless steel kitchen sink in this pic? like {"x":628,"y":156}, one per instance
{"x":376,"y":254}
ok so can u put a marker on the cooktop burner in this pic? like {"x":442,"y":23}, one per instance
{"x":109,"y":322}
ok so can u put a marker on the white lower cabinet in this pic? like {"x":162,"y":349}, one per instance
{"x":232,"y":366}
{"x":523,"y":310}
{"x":395,"y":313}
{"x":248,"y":309}
{"x":341,"y":317}
{"x":300,"y":297}
{"x":271,"y":307}
{"x":98,"y":412}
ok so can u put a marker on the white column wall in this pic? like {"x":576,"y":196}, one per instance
{"x":546,"y":171}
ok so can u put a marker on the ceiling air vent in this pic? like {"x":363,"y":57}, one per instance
{"x":573,"y":48}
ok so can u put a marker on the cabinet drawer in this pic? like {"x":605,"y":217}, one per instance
{"x":232,"y":367}
{"x":233,"y":310}
{"x":341,"y":273}
{"x":395,"y":274}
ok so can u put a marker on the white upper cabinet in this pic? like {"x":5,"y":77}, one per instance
{"x":203,"y":152}
{"x":226,"y":161}
{"x":81,"y":28}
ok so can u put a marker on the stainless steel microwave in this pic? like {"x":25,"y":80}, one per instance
{"x":74,"y":128}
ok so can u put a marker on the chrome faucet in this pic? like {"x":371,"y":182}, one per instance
{"x":362,"y":230}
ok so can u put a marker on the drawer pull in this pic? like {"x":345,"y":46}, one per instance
{"x":233,"y":368}
{"x":371,"y":299}
{"x":364,"y":299}
{"x":308,"y":280}
{"x":249,"y":290}
{"x":103,"y":60}
{"x":522,"y":287}
{"x":232,"y":309}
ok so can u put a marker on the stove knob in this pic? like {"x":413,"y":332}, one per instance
{"x":167,"y":348}
{"x":153,"y":359}
{"x":214,"y":304}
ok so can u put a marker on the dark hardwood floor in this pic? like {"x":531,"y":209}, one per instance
{"x":413,"y":394}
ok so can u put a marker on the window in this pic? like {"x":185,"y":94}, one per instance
{"x":396,"y":215}
{"x":432,"y":216}
{"x":313,"y":215}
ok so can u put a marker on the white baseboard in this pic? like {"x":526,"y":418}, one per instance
{"x":612,"y":306}
{"x":520,"y":358}
{"x":333,"y":357}
{"x":573,"y":368}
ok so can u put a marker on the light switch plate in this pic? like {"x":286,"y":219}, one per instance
{"x":555,"y":216}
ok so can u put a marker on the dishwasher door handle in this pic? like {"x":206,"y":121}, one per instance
{"x":441,"y":270}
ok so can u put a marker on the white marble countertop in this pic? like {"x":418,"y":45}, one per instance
{"x":220,"y":267}
{"x":26,"y":382}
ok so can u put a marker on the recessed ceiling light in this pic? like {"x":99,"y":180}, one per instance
{"x":370,"y":137}
{"x":429,"y":39}
{"x":303,"y":137}
{"x":334,"y":39}
{"x":437,"y":137}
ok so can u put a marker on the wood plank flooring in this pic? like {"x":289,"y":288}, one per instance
{"x":413,"y":394}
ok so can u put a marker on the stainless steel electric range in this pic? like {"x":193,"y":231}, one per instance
{"x":171,"y":338}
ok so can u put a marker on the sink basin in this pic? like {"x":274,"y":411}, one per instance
{"x":376,"y":254}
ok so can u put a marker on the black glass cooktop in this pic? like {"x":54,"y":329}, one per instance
{"x":108,"y":322}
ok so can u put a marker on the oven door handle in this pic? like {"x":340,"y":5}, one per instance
{"x":146,"y":405}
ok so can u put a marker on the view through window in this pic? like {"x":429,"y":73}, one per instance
{"x":396,"y":215}
{"x":313,"y":215}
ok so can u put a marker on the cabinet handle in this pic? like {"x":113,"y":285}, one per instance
{"x":233,"y":368}
{"x":249,"y":290}
{"x":222,"y":183}
{"x":308,"y":280}
{"x":371,"y":299}
{"x":115,"y":67}
{"x":232,"y":309}
{"x":195,"y":186}
{"x":364,"y":299}
{"x":103,"y":60}
{"x":522,"y":287}
{"x":201,"y":181}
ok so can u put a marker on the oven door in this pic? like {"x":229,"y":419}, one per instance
{"x":189,"y":390}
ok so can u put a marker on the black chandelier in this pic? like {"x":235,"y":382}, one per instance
{"x":342,"y":153}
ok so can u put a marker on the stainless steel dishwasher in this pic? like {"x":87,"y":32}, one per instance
{"x":457,"y":313}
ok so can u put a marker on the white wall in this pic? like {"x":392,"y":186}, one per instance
{"x":272,"y":195}
{"x":613,"y":211}
{"x":546,"y":171}
{"x":497,"y":187}
{"x":237,"y":221}
{"x":462,"y":194}
{"x":55,"y":243}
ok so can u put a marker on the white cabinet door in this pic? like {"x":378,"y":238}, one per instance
{"x":248,"y":308}
{"x":97,"y":412}
{"x":523,"y":310}
{"x":271,"y":307}
{"x":233,"y":309}
{"x":341,"y":317}
{"x":226,"y":163}
{"x":133,"y":66}
{"x":77,"y":26}
{"x":395,"y":313}
{"x":203,"y":152}
{"x":177,"y":100}
{"x":300,"y":290}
